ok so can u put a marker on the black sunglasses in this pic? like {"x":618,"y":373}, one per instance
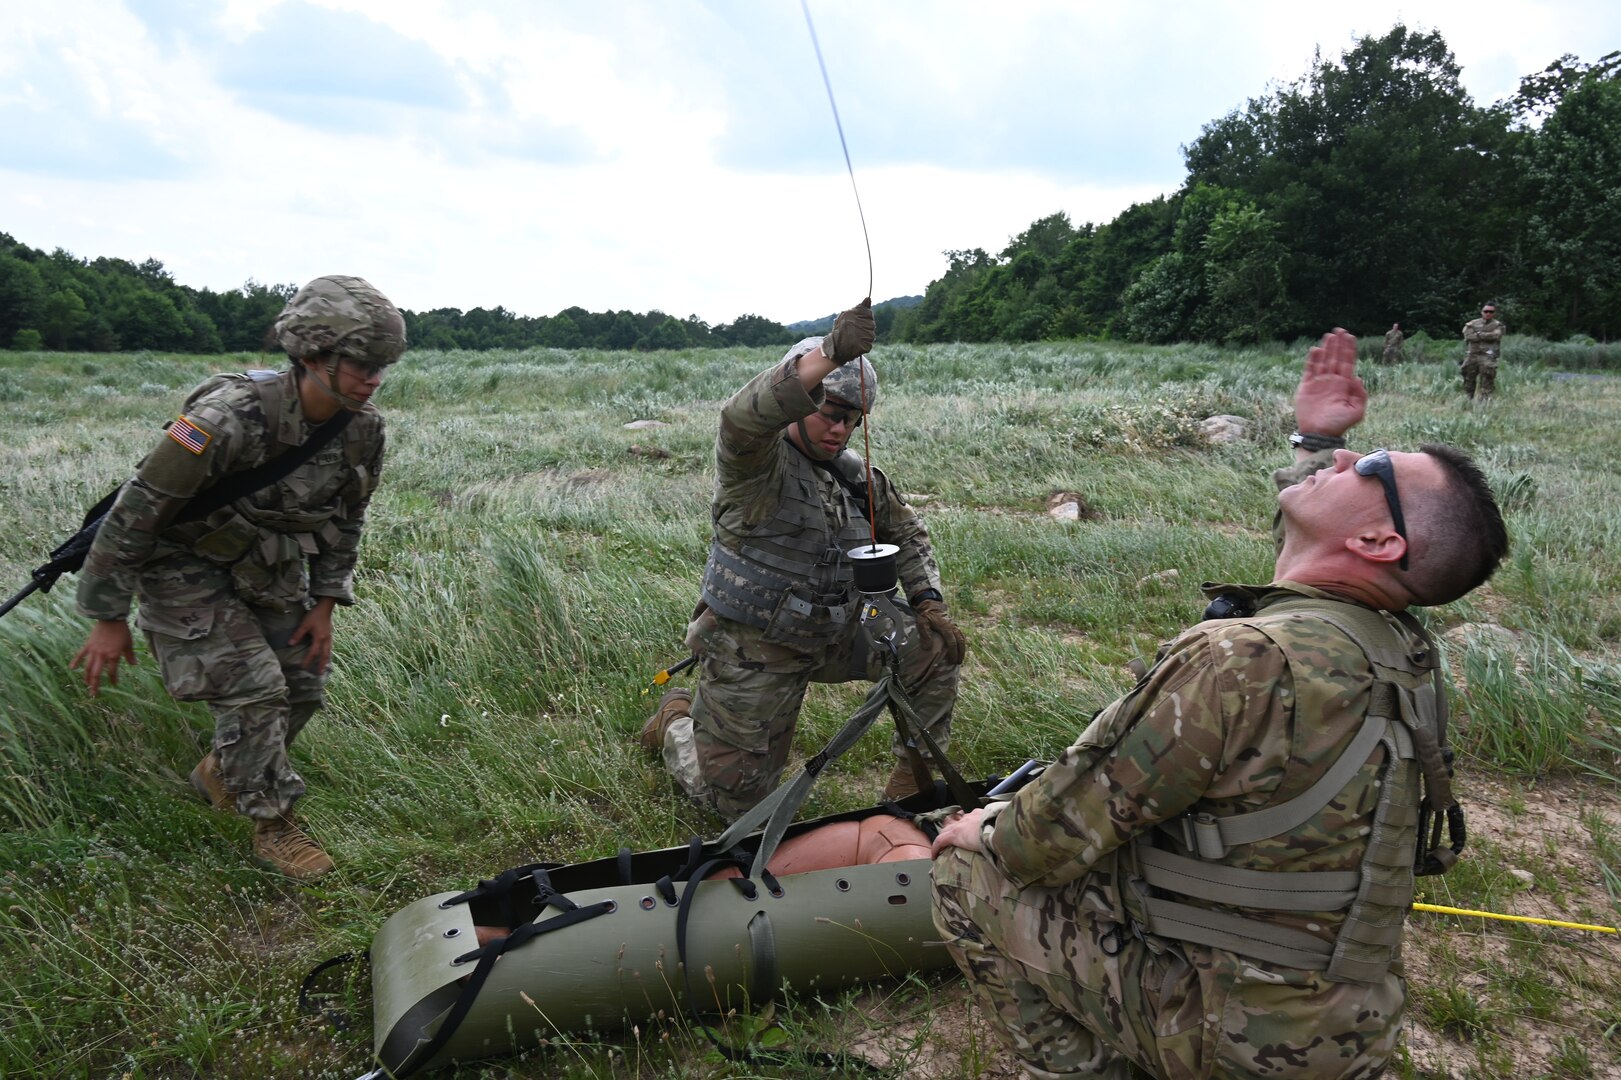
{"x":1378,"y":463}
{"x":841,"y":416}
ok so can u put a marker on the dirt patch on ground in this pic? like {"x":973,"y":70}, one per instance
{"x":935,"y":1034}
{"x":1511,"y":999}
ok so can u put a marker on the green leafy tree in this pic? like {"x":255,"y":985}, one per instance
{"x":669,"y":334}
{"x":623,"y":334}
{"x":1573,"y":237}
{"x":202,"y":336}
{"x":1162,"y":303}
{"x":560,"y":332}
{"x":1046,"y":237}
{"x":1382,"y":177}
{"x":1107,"y":262}
{"x":22,"y":296}
{"x":148,"y":320}
{"x":1243,"y":276}
{"x":953,"y":307}
{"x":65,"y":321}
{"x":753,"y":330}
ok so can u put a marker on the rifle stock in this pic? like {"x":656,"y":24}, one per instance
{"x":70,"y":556}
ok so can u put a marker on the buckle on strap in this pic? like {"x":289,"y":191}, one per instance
{"x":1199,"y":833}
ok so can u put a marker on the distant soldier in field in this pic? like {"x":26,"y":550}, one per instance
{"x":1482,"y":340}
{"x":1213,"y":880}
{"x":1393,"y":345}
{"x":779,"y":607}
{"x":237,"y":607}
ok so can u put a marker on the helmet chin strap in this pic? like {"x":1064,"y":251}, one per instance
{"x":812,"y":450}
{"x":330,"y":387}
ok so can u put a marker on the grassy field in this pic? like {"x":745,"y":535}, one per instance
{"x":525,"y":573}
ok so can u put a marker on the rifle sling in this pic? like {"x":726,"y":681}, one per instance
{"x":260,"y":477}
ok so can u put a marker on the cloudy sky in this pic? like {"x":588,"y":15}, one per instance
{"x":669,"y":154}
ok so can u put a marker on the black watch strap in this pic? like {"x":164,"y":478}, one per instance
{"x":926,"y":594}
{"x":1305,"y":440}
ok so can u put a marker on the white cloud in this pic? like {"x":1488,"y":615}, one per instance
{"x":675,"y":154}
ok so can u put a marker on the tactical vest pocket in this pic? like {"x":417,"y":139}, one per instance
{"x":229,"y":542}
{"x":808,"y":620}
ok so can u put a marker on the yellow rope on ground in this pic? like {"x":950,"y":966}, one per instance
{"x":1513,"y":918}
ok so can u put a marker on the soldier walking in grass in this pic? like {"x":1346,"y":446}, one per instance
{"x":1482,"y":340}
{"x":779,"y":606}
{"x":237,"y":606}
{"x":1213,"y":880}
{"x":1393,"y":345}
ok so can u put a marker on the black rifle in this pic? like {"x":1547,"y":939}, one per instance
{"x":70,"y":556}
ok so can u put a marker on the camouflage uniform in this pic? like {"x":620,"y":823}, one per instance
{"x":1482,"y":340}
{"x":1044,"y":923}
{"x":752,"y":681}
{"x":219,"y":597}
{"x":1393,"y":345}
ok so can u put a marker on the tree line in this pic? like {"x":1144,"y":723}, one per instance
{"x":1369,"y":191}
{"x":60,"y":301}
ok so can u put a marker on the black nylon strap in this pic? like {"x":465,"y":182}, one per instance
{"x":487,"y":957}
{"x":761,"y":939}
{"x":548,"y":896}
{"x":246,"y":483}
{"x":901,"y":706}
{"x":306,"y":1007}
{"x":69,"y":556}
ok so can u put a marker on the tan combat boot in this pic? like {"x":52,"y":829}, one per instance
{"x":206,"y":778}
{"x":672,"y":706}
{"x":280,"y":844}
{"x":901,"y":783}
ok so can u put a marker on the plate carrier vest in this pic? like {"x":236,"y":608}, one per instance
{"x":791,"y":577}
{"x":226,"y":533}
{"x":1407,"y":717}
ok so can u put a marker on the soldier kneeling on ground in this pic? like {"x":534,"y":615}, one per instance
{"x":779,"y":606}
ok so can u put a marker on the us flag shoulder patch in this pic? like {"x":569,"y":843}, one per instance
{"x":189,"y":435}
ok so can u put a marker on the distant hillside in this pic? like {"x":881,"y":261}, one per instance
{"x":883,"y":314}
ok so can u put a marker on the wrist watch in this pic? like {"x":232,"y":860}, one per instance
{"x":925,"y":594}
{"x":1305,"y":440}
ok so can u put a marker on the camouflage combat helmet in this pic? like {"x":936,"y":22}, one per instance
{"x":342,"y":315}
{"x":845,"y":383}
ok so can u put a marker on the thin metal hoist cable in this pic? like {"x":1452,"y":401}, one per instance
{"x":861,"y":376}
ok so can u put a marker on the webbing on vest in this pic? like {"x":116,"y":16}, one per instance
{"x":1403,"y":718}
{"x":790,"y":576}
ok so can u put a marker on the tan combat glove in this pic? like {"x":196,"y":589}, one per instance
{"x":937,"y":631}
{"x":852,"y":334}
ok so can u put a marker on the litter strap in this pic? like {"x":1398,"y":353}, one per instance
{"x":500,"y":888}
{"x":762,"y":978}
{"x":777,"y":810}
{"x":912,"y":729}
{"x":306,"y":1007}
{"x":487,"y":956}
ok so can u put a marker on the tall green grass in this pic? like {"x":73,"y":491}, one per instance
{"x":524,"y":575}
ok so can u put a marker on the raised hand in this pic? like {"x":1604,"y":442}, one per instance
{"x":852,"y":334}
{"x":1331,"y":399}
